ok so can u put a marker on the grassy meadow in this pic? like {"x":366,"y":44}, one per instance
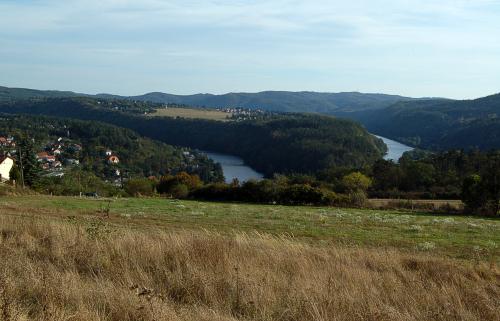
{"x":67,"y":258}
{"x":456,"y":236}
{"x":210,"y":114}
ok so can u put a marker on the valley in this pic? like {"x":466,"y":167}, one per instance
{"x":249,"y":160}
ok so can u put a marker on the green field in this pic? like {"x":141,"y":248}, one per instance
{"x":210,"y":114}
{"x":455,"y":236}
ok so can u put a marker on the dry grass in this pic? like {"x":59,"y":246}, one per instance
{"x":200,"y":113}
{"x":88,"y":270}
{"x":431,"y":205}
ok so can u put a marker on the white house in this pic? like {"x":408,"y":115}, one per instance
{"x":6,"y":164}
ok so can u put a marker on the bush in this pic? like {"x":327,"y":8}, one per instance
{"x":357,"y":198}
{"x":170,"y":184}
{"x":76,"y":182}
{"x":139,"y":187}
{"x":215,"y":191}
{"x":179,"y":190}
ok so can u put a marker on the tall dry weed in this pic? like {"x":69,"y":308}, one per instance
{"x":61,"y":271}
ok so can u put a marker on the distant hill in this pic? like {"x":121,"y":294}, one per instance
{"x":283,"y":100}
{"x":268,"y":100}
{"x":429,"y":123}
{"x":438,"y":124}
{"x":7,"y":93}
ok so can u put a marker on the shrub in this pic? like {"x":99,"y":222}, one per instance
{"x":179,"y":190}
{"x":215,"y":191}
{"x":169,"y":184}
{"x":138,"y":187}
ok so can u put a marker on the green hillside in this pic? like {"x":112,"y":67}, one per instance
{"x":267,"y":100}
{"x":438,"y":124}
{"x":88,"y":142}
{"x":291,"y":143}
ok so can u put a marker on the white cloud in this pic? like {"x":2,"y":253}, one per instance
{"x":327,"y":37}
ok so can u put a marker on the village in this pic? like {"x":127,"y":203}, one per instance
{"x":54,"y":158}
{"x":240,"y":114}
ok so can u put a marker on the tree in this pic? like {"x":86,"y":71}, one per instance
{"x":15,"y":174}
{"x":177,"y":185}
{"x":386,"y":175}
{"x":29,"y":165}
{"x":472,"y":194}
{"x":356,"y":182}
{"x":491,"y":184}
{"x":356,"y":185}
{"x":481,"y":193}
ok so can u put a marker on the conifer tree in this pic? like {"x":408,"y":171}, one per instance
{"x":28,"y":163}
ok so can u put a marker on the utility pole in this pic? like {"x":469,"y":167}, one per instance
{"x":21,"y":165}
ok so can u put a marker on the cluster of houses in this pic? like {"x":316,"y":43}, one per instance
{"x":7,"y":142}
{"x":239,"y":114}
{"x":54,"y":157}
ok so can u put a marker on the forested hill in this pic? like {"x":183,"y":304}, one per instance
{"x":138,"y":156}
{"x":435,"y":124}
{"x":438,"y":124}
{"x":294,"y":143}
{"x":10,"y":94}
{"x":268,"y":100}
{"x":283,"y":100}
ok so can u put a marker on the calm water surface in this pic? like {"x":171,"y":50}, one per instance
{"x":234,"y":167}
{"x":394,"y":149}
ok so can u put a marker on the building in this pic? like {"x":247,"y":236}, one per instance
{"x":71,"y":161}
{"x":42,"y":155}
{"x":113,"y":160}
{"x":6,"y":164}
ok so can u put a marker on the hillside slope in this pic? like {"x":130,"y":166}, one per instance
{"x":138,"y":156}
{"x":10,"y":94}
{"x":292,"y":143}
{"x":438,"y":124}
{"x":283,"y":100}
{"x":268,"y":100}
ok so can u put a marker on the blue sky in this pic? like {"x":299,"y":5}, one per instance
{"x":411,"y":47}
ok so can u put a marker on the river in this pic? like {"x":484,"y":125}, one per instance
{"x":394,"y":149}
{"x":234,"y":167}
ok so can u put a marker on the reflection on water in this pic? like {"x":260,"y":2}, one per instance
{"x":394,"y":149}
{"x":234,"y":167}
